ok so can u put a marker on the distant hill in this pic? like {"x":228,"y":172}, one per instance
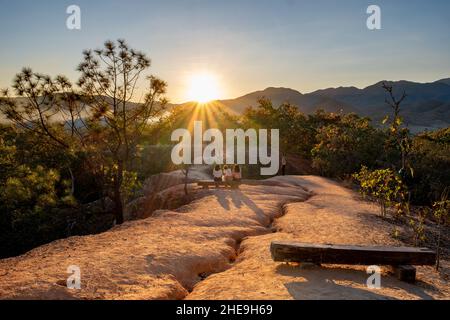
{"x":427,"y":105}
{"x":306,"y":102}
{"x":445,"y":81}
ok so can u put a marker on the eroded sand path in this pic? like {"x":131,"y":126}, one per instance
{"x":161,"y":257}
{"x":217,"y":247}
{"x":332,"y":215}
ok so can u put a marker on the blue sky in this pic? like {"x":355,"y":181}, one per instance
{"x":248,"y":44}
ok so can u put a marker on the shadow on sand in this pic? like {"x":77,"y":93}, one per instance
{"x":320,"y":283}
{"x":239,"y":200}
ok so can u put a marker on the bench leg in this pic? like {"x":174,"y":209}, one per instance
{"x":405,"y":273}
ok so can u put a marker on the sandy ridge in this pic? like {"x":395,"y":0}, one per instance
{"x":216,"y":247}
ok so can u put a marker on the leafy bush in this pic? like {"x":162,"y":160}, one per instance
{"x":441,"y":212}
{"x":430,"y":158}
{"x":27,"y":195}
{"x":347,"y":144}
{"x":385,"y":186}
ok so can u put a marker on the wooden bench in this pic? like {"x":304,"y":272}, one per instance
{"x":401,"y":259}
{"x":210,"y":183}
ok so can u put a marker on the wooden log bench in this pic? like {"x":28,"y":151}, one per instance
{"x":205,"y":184}
{"x":401,"y":259}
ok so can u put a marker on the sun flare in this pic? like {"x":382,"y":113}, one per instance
{"x":203,"y":88}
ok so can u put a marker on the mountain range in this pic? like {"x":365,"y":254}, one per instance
{"x":427,"y":105}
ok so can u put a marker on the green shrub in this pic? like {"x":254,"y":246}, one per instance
{"x":386,"y":187}
{"x":343,"y":147}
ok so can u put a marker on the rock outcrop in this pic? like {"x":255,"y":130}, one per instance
{"x":217,"y":247}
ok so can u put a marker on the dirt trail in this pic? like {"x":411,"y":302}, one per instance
{"x":161,"y":257}
{"x":332,"y":215}
{"x":217,"y":247}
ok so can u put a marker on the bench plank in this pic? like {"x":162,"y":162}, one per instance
{"x":209,"y":183}
{"x":344,"y":254}
{"x":243,"y":181}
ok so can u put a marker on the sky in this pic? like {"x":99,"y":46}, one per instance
{"x":247,"y":45}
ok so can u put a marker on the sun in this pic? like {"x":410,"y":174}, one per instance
{"x":203,"y":88}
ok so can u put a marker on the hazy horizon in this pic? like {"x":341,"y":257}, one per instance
{"x":333,"y":87}
{"x":246,"y":45}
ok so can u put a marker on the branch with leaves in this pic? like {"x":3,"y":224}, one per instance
{"x":101,"y":117}
{"x":400,"y":134}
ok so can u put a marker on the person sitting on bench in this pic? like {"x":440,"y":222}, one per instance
{"x":217,"y":174}
{"x":227,"y":175}
{"x":237,"y":176}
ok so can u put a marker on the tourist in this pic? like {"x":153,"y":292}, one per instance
{"x":217,"y":174}
{"x":237,"y":176}
{"x":227,"y":175}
